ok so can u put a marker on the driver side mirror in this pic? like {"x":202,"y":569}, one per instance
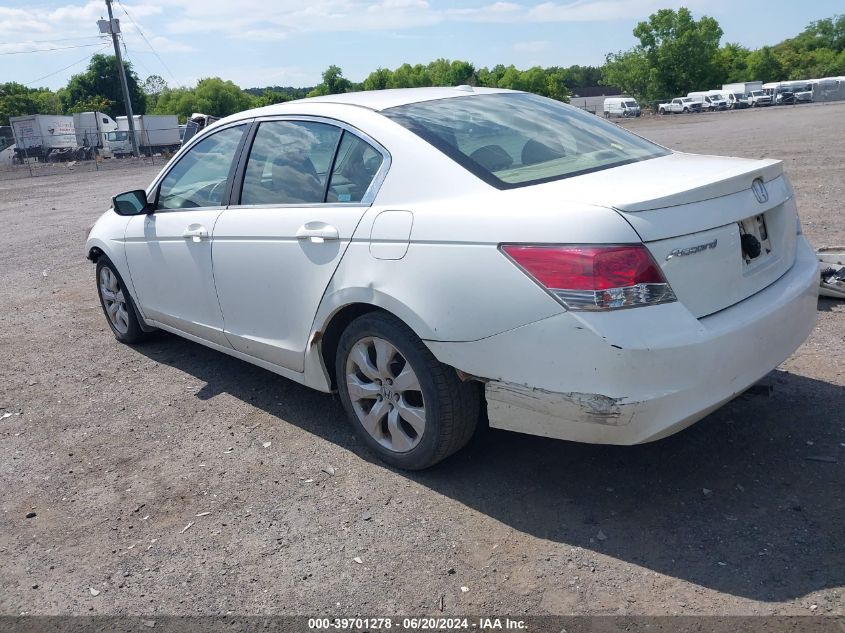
{"x":131,"y":203}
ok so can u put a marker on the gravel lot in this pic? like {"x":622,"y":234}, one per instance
{"x":149,"y":476}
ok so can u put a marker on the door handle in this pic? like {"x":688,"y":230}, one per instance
{"x":317,"y":232}
{"x":195,"y":233}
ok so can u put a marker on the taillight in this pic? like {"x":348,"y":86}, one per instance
{"x":594,"y":277}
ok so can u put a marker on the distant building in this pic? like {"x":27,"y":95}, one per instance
{"x":592,"y":98}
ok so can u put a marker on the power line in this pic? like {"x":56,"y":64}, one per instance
{"x":42,"y":50}
{"x":79,"y":61}
{"x":136,"y":59}
{"x":60,"y":39}
{"x":144,"y":37}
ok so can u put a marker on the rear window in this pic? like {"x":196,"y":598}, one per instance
{"x":514,"y":140}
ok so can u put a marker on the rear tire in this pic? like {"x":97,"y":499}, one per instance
{"x":410,"y":409}
{"x":117,"y":304}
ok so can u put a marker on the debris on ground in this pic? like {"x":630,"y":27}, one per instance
{"x":464,"y":589}
{"x":358,"y":560}
{"x":832,"y":272}
{"x":202,"y":514}
{"x":186,"y":528}
{"x":601,"y":536}
{"x":31,"y":515}
{"x":267,"y":444}
{"x":94,"y":592}
{"x":329,"y":470}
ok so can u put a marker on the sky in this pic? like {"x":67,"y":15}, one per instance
{"x":259,"y":43}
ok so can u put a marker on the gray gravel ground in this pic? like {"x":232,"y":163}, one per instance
{"x":117,"y":450}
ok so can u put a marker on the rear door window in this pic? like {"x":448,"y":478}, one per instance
{"x":289,"y":163}
{"x":307,"y":162}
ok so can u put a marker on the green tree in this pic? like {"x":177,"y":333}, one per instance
{"x":631,"y":71}
{"x":764,"y":65}
{"x":91,"y":104}
{"x":379,"y":79}
{"x":17,"y":100}
{"x":212,"y":96}
{"x":333,"y":83}
{"x":101,"y":80}
{"x":271,"y":97}
{"x":731,"y":63}
{"x":679,"y":50}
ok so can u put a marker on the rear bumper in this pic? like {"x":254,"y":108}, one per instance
{"x":634,"y":376}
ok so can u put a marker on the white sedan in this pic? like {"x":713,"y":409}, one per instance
{"x":427,"y":251}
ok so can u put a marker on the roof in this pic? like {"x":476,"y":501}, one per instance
{"x":383,"y":99}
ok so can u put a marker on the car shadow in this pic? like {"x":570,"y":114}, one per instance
{"x":748,"y":501}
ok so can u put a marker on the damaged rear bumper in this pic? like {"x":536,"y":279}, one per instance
{"x":634,"y":376}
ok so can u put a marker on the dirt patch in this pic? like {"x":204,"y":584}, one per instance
{"x":150,"y":481}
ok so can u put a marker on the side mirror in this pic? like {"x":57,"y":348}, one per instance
{"x":131,"y":203}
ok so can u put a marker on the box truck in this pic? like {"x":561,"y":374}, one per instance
{"x":44,"y":137}
{"x":155,"y":133}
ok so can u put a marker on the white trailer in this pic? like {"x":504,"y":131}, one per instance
{"x":154,"y":133}
{"x":44,"y":137}
{"x":92,"y":128}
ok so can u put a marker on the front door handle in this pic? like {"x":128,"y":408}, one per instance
{"x":195,"y":233}
{"x":317,"y":232}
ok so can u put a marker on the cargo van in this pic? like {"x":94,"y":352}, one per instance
{"x":621,"y":106}
{"x":709,"y":102}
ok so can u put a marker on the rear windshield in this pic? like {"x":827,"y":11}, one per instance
{"x":516,"y":139}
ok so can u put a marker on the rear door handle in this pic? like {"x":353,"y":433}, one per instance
{"x":317,"y":232}
{"x":195,"y":233}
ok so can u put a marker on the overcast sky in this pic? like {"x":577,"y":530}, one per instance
{"x":290,"y":42}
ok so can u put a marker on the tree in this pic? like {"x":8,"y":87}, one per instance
{"x":101,"y":80}
{"x":91,"y":104}
{"x":154,"y":85}
{"x":763,"y":65}
{"x":731,"y":63}
{"x":212,"y":96}
{"x":631,"y":71}
{"x":271,"y":97}
{"x":379,"y":79}
{"x":17,"y":100}
{"x":333,"y":83}
{"x":679,"y":50}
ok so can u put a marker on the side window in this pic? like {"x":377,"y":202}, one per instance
{"x":199,"y":178}
{"x":289,"y":163}
{"x":355,"y":167}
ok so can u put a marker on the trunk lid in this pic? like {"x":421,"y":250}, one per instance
{"x":718,"y":236}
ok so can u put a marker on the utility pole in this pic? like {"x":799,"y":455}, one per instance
{"x":113,"y":30}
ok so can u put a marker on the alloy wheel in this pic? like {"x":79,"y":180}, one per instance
{"x":386,"y":394}
{"x":114,"y":300}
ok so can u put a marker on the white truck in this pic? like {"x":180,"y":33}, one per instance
{"x":679,"y":105}
{"x":44,"y":137}
{"x":757,"y":98}
{"x":710,"y":102}
{"x":91,"y":130}
{"x":737,"y":93}
{"x":621,"y":107}
{"x":155,"y":133}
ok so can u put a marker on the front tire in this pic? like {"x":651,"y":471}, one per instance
{"x":117,"y":304}
{"x":410,"y":409}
